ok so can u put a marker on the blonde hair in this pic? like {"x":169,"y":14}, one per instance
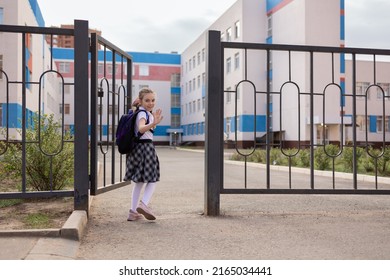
{"x":141,"y":94}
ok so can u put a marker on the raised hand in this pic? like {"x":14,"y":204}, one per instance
{"x":157,"y":116}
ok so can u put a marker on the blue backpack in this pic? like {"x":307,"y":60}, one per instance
{"x":125,"y":132}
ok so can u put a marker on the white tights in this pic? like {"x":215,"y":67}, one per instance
{"x":148,"y":193}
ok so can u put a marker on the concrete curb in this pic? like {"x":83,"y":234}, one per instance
{"x":75,"y":225}
{"x":72,"y":229}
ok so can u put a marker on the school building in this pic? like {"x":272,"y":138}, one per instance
{"x":295,"y":22}
{"x":180,"y":79}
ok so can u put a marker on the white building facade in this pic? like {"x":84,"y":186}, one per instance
{"x":180,"y":79}
{"x":293,"y":22}
{"x":24,"y":13}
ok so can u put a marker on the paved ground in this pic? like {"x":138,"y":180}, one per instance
{"x":250,"y":227}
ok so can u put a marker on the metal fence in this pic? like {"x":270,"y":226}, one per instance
{"x":92,"y":99}
{"x":110,"y":99}
{"x":266,"y":181}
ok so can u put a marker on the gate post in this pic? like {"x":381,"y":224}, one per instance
{"x":81,"y":177}
{"x":214,"y":124}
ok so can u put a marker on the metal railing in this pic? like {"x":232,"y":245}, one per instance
{"x":109,"y":89}
{"x":80,"y":85}
{"x":215,"y":112}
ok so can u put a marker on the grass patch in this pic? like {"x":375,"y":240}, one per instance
{"x":10,"y":202}
{"x":37,"y":220}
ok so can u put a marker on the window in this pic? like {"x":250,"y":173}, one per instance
{"x":269,"y":31}
{"x":144,"y":70}
{"x":198,"y":58}
{"x":190,"y":86}
{"x":100,"y":68}
{"x":228,"y":65}
{"x":1,"y":15}
{"x":67,"y":109}
{"x":228,"y":126}
{"x":379,"y":124}
{"x":228,"y":95}
{"x":1,"y":115}
{"x":193,"y":84}
{"x":237,"y":29}
{"x":203,"y":79}
{"x":175,"y":121}
{"x":175,"y":80}
{"x":190,"y":64}
{"x":175,"y":100}
{"x":385,"y":87}
{"x":198,"y":104}
{"x":222,"y":37}
{"x":203,"y":103}
{"x":193,"y":62}
{"x":199,"y":81}
{"x":67,"y":89}
{"x":361,"y":88}
{"x":193,"y":106}
{"x":203,"y":55}
{"x":228,"y":34}
{"x":236,"y":61}
{"x":64,"y":67}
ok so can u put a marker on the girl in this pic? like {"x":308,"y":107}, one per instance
{"x":142,"y":163}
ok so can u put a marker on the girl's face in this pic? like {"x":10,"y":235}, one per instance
{"x":148,"y":101}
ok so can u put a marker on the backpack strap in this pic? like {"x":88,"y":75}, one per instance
{"x":147,"y":120}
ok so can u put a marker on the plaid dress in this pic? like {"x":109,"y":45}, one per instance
{"x":142,"y":164}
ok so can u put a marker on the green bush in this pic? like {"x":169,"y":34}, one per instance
{"x":347,"y":157}
{"x":49,"y":162}
{"x":382,"y":158}
{"x":304,"y":157}
{"x":290,"y":154}
{"x":321,"y":159}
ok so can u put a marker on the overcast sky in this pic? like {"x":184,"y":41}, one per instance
{"x":171,"y":25}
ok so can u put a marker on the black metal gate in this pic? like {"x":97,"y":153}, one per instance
{"x":98,"y":103}
{"x":111,"y":92}
{"x":215,"y":105}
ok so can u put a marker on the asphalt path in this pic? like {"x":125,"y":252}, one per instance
{"x":252,"y":227}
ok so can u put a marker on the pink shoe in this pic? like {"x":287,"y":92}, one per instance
{"x":133,"y":216}
{"x":145,"y":210}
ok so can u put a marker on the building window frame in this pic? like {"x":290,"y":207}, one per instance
{"x":228,"y":65}
{"x":144,"y":70}
{"x":237,"y":31}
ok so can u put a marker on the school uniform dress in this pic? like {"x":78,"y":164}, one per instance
{"x":142,"y":164}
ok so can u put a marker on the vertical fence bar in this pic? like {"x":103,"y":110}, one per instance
{"x":214,"y":124}
{"x":94,"y":116}
{"x":312,"y":120}
{"x":268,"y":136}
{"x":113,"y":116}
{"x":354,"y":135}
{"x":81,"y":178}
{"x":129,"y":84}
{"x":24,"y":106}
